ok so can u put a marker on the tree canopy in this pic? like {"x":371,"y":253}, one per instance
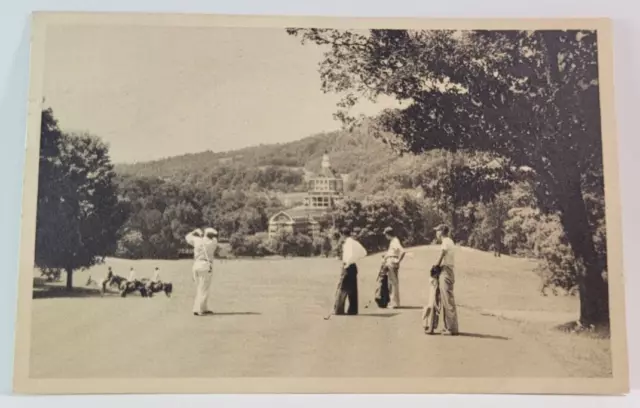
{"x":78,"y":215}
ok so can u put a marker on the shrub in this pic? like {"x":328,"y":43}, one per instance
{"x":286,"y":244}
{"x":250,"y":245}
{"x":302,"y":245}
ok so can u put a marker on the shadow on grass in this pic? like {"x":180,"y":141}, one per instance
{"x":600,"y":331}
{"x":376,"y":315}
{"x":366,"y":315}
{"x":214,"y":314}
{"x":410,"y":307}
{"x":483,"y":336}
{"x":58,"y":292}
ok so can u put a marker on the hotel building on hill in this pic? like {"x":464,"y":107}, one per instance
{"x":324,"y":191}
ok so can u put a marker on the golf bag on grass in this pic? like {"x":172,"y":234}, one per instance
{"x":431,"y":312}
{"x":382,"y":297}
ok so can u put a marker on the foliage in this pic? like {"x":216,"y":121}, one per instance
{"x":531,"y":97}
{"x":289,"y":244}
{"x":322,"y":246}
{"x":131,"y":245}
{"x":78,"y":215}
{"x":410,"y":217}
{"x":163,"y":212}
{"x":254,"y":246}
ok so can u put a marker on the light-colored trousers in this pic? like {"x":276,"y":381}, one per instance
{"x":202,"y":275}
{"x":394,"y":284}
{"x":441,"y":301}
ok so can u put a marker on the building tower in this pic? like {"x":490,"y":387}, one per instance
{"x":325,"y":189}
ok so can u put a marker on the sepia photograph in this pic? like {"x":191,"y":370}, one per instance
{"x":271,"y":204}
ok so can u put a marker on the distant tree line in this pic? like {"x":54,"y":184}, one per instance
{"x":162,"y":212}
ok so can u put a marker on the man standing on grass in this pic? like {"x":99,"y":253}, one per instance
{"x":391,"y":266}
{"x":204,"y":249}
{"x":350,"y":252}
{"x":441,"y":288}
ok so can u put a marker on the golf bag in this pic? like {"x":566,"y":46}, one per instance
{"x":431,"y":312}
{"x":382,"y":296}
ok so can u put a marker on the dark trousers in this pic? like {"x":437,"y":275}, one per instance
{"x":347,"y":290}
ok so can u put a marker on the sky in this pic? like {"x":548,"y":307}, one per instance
{"x":154,"y":92}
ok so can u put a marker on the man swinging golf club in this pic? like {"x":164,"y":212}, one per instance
{"x":204,"y":249}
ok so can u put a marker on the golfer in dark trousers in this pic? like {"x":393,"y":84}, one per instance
{"x":350,"y":252}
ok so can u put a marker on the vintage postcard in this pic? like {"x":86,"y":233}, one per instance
{"x":227,"y":204}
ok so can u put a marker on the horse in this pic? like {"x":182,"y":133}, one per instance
{"x":155,"y":287}
{"x":127,"y":287}
{"x":112,"y":281}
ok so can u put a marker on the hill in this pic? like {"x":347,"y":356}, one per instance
{"x":277,"y":167}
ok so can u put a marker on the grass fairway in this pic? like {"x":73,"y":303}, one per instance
{"x":269,"y":322}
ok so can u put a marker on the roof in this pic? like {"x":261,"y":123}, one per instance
{"x":327,"y":172}
{"x":302,"y":213}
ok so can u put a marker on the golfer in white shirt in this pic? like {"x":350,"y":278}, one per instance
{"x":391,"y":264}
{"x":204,"y":249}
{"x":351,"y":252}
{"x":441,"y":288}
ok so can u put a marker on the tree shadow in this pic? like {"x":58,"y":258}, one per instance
{"x":483,"y":336}
{"x":60,"y":292}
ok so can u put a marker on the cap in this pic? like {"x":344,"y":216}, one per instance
{"x":388,"y":230}
{"x":210,"y":231}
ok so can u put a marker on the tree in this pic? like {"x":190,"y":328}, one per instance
{"x":411,"y":219}
{"x":529,"y":96}
{"x":78,"y":215}
{"x":458,"y":179}
{"x":489,"y":233}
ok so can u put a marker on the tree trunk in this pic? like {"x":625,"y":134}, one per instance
{"x":594,"y":294}
{"x":69,"y":278}
{"x":454,"y":233}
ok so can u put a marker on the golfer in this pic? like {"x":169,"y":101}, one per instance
{"x":441,"y":288}
{"x":204,"y":249}
{"x":350,"y":252}
{"x":391,"y":265}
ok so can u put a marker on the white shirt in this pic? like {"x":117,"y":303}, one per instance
{"x":352,"y":251}
{"x":450,"y":248}
{"x":132,"y":275}
{"x":204,"y":249}
{"x":395,"y":251}
{"x":156,"y":275}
